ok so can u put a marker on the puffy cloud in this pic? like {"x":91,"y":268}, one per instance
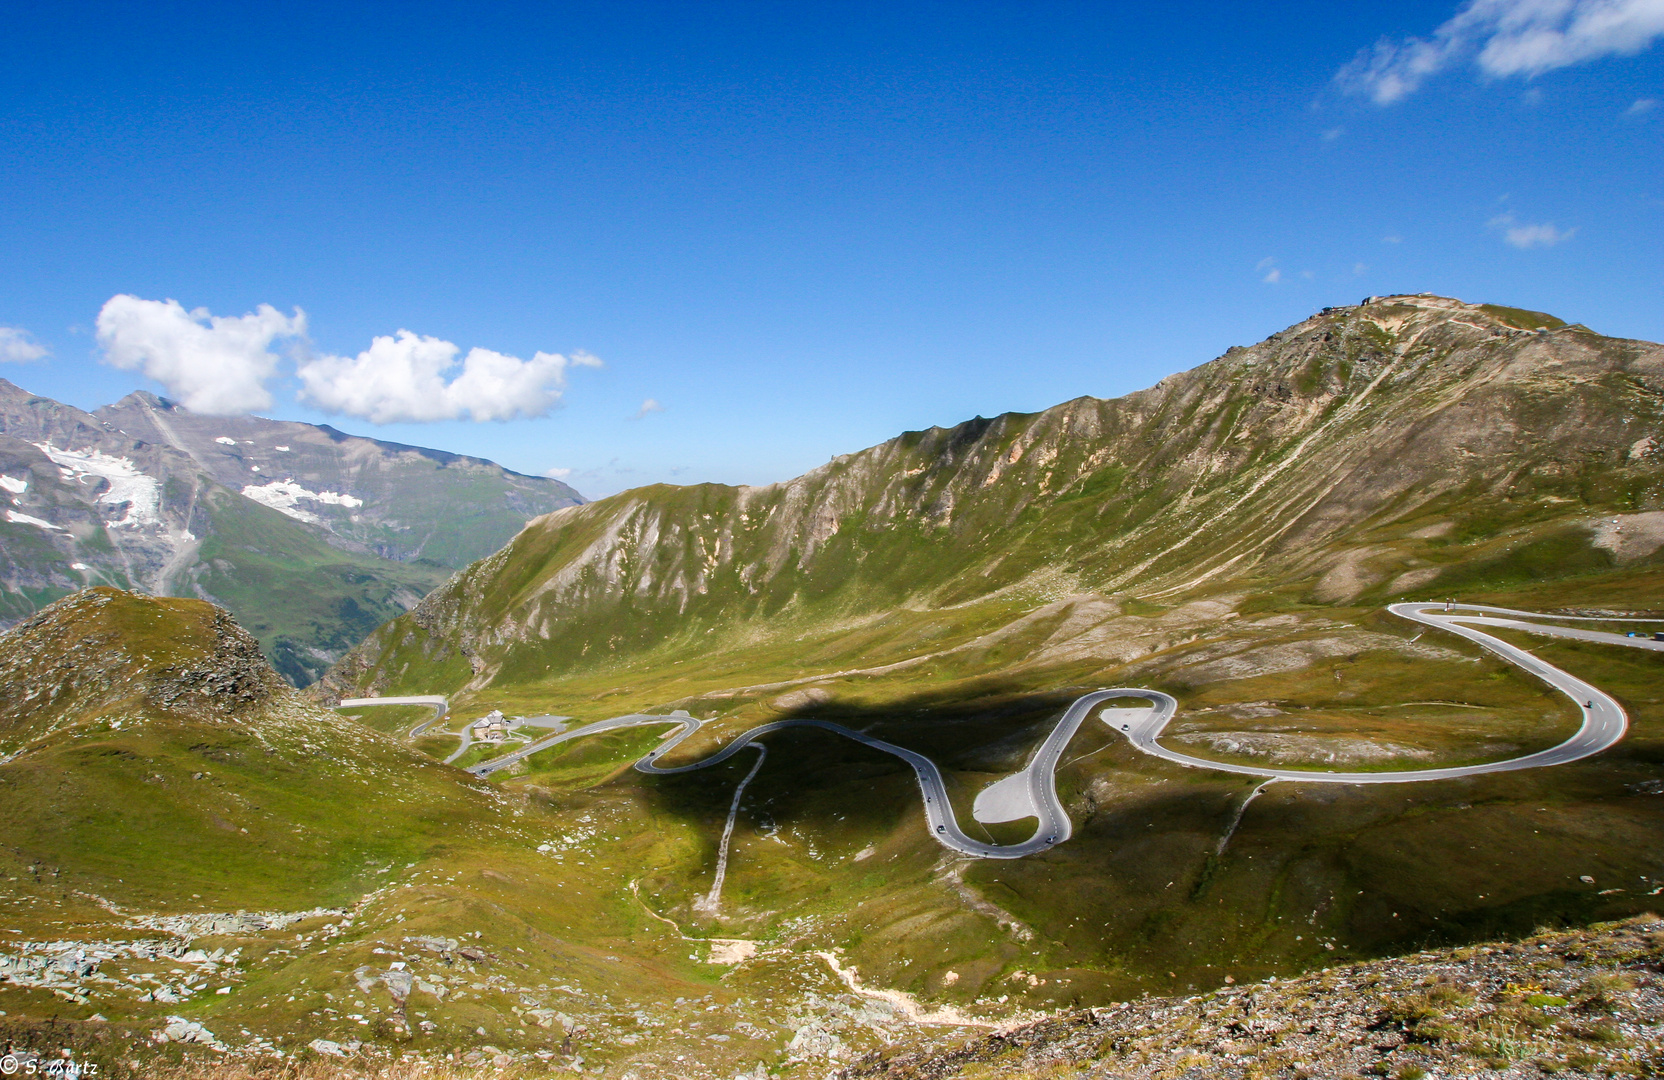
{"x":220,"y":366}
{"x":211,"y":364}
{"x":557,"y":473}
{"x":411,"y":377}
{"x":1642,"y":106}
{"x":1506,"y":38}
{"x":17,"y":347}
{"x":1526,"y":237}
{"x":651,"y":405}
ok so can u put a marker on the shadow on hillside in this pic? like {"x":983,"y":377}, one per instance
{"x":815,"y":775}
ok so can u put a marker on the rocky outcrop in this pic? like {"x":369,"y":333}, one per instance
{"x":103,"y":648}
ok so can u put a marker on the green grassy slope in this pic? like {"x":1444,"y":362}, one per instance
{"x":1229,"y":536}
{"x":163,"y":787}
{"x":306,"y":601}
{"x":146,"y":741}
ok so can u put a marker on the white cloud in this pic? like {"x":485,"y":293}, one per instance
{"x":1527,"y":236}
{"x":411,"y":377}
{"x":1642,"y":105}
{"x":1359,"y":269}
{"x":1506,"y":38}
{"x":17,"y":347}
{"x":651,"y":405}
{"x":557,"y":473}
{"x":1392,"y":239}
{"x":211,"y":364}
{"x":220,"y":366}
{"x":1331,"y":134}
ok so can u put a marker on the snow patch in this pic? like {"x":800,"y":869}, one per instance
{"x":140,"y":491}
{"x":82,"y":566}
{"x":282,"y":495}
{"x":224,"y":441}
{"x":285,"y":449}
{"x":16,"y":487}
{"x":25,"y":519}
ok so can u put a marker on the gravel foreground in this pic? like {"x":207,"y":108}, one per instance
{"x":1579,"y":1003}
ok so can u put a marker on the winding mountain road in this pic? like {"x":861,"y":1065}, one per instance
{"x":1604,"y":720}
{"x":1032,"y":792}
{"x":437,"y":702}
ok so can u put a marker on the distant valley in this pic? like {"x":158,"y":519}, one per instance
{"x":310,"y":536}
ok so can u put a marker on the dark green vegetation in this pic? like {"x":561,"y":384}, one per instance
{"x":311,"y":537}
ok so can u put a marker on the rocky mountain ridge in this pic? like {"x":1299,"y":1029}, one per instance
{"x":400,"y":502}
{"x":1310,"y":461}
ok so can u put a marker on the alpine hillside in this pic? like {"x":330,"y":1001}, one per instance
{"x":1411,"y":443}
{"x":401,"y":502}
{"x":1227,"y":541}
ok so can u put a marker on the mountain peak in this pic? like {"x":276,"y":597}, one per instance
{"x":1510,"y":317}
{"x":146,"y":398}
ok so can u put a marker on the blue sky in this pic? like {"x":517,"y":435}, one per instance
{"x":800,"y":229}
